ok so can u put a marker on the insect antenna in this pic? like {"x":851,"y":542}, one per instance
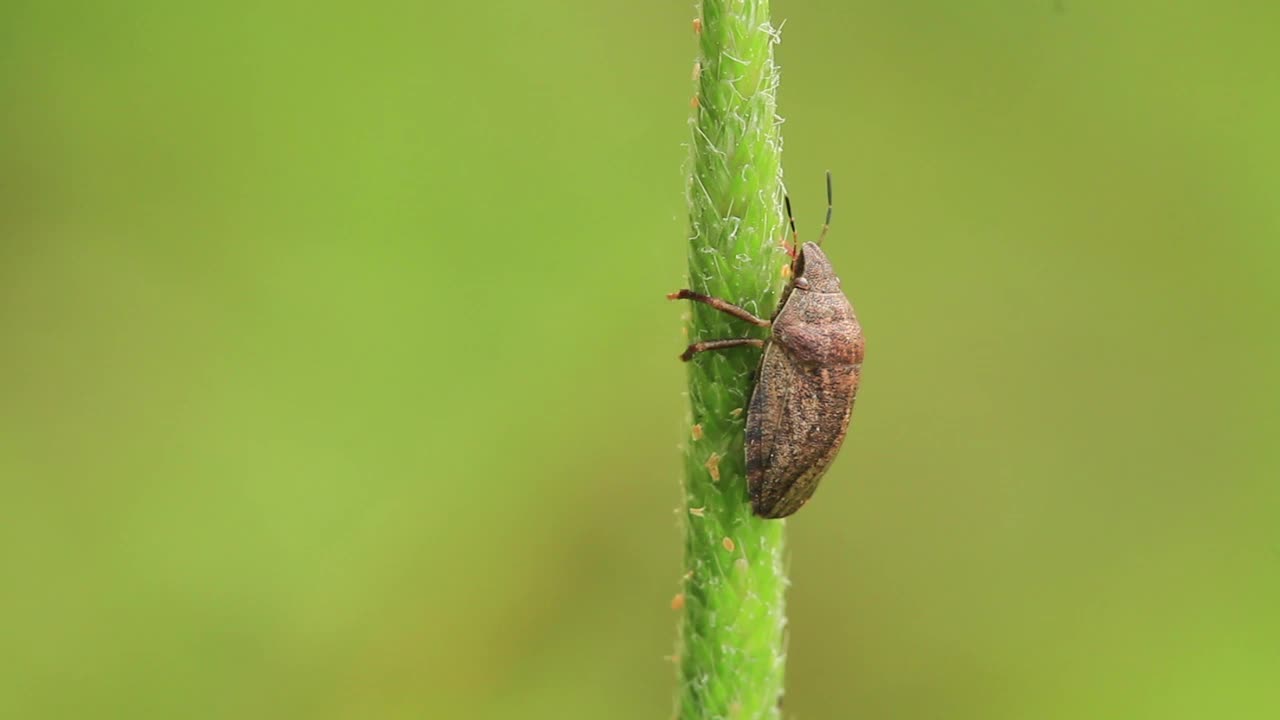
{"x":826,"y":225}
{"x":794,"y":249}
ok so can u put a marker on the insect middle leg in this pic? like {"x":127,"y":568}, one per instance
{"x":696,"y":348}
{"x":720,"y":305}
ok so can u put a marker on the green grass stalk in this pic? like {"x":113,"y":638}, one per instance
{"x":731,"y":656}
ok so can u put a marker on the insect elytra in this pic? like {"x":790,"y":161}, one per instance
{"x":807,"y":380}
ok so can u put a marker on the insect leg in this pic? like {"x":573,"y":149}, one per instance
{"x":720,"y":305}
{"x":696,"y":348}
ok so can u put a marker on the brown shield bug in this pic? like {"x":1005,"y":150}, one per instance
{"x":806,"y":382}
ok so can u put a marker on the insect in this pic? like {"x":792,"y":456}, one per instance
{"x":806,"y":382}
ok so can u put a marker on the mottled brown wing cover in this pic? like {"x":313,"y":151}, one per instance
{"x":802,"y":401}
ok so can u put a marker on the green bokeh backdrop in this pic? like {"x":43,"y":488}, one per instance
{"x":336,"y":379}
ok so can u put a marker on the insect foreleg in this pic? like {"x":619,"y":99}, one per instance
{"x":720,"y":305}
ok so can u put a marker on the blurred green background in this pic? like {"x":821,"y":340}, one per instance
{"x":336,"y":378}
